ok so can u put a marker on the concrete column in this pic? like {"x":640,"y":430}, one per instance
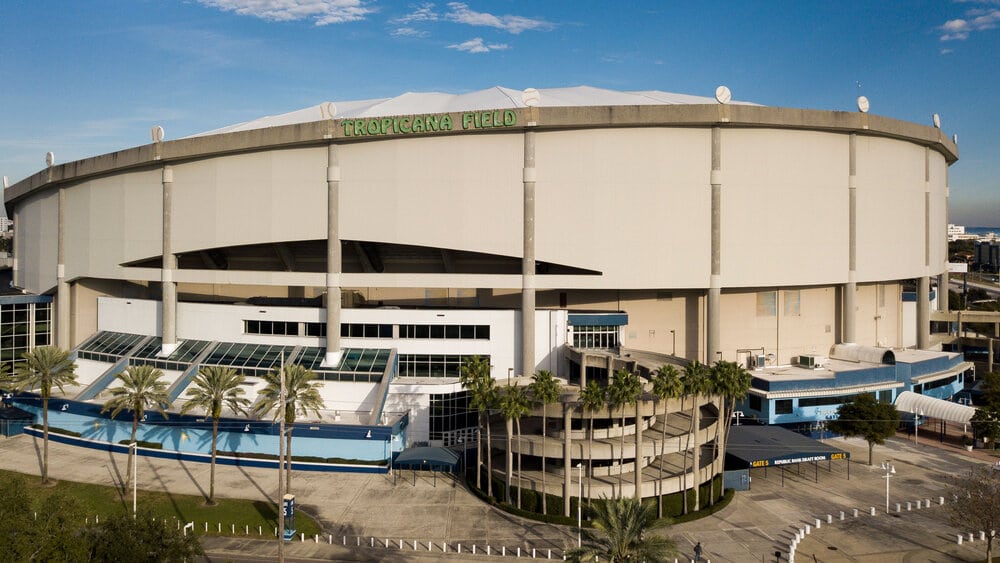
{"x":169,"y":286}
{"x":923,"y":313}
{"x":567,"y":457}
{"x":943,"y":281}
{"x":333,"y":257}
{"x":713,"y":329}
{"x":63,"y":305}
{"x":583,"y":370}
{"x":528,"y":260}
{"x":638,"y":450}
{"x":850,"y":291}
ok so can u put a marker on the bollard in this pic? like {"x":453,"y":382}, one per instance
{"x":532,"y":553}
{"x":841,"y":514}
{"x":373,"y":541}
{"x":898,"y":507}
{"x":247,"y":529}
{"x":473,"y":549}
{"x":919,"y":502}
{"x":317,"y":538}
{"x":970,"y":536}
{"x":330,"y":540}
{"x":503,"y":551}
{"x":220,"y":527}
{"x":444,"y":547}
{"x":927,"y":503}
{"x":818,"y":523}
{"x":855,"y":512}
{"x":518,"y":551}
{"x":459,"y":550}
{"x":345,"y":540}
{"x":400,"y":544}
{"x":359,"y":541}
{"x":232,"y":529}
{"x":302,"y":536}
{"x":414,"y":545}
{"x":808,"y":529}
{"x":487,"y":549}
{"x":550,"y":554}
{"x":260,"y":530}
{"x":959,"y":539}
{"x":430,"y":546}
{"x":982,"y":535}
{"x":829,"y":518}
{"x":940,"y":501}
{"x":387,"y":543}
{"x":908,"y":506}
{"x":872,"y":511}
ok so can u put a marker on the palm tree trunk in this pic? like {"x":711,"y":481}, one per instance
{"x":489,"y":458}
{"x":519,"y":448}
{"x":544,"y":425}
{"x":590,"y":459}
{"x":288,"y":456}
{"x":128,"y":470}
{"x":719,"y":421}
{"x":621,"y":459}
{"x":211,"y":481}
{"x":696,"y":454}
{"x":45,"y":439}
{"x":510,"y":459}
{"x":687,"y":448}
{"x":663,"y":447}
{"x":479,"y":453}
{"x":638,"y":453}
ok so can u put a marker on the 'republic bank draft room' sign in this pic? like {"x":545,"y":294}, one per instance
{"x":802,"y":459}
{"x":428,"y":123}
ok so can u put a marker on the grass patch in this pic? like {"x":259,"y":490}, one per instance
{"x":98,"y":500}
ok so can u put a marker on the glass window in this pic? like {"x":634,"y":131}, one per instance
{"x":783,"y":406}
{"x":766,"y":303}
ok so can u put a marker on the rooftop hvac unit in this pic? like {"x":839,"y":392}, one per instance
{"x":757,"y":361}
{"x":811,"y":361}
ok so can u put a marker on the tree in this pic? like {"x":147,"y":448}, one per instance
{"x":867,"y":418}
{"x":624,"y":527}
{"x":141,"y":388}
{"x":514,"y":405}
{"x":212,"y":389}
{"x":625,"y":390}
{"x":991,"y":389}
{"x":593,"y":397}
{"x":34,"y":530}
{"x":731,"y":382}
{"x":977,"y":503}
{"x":667,"y":385}
{"x":696,"y":384}
{"x":545,"y":390}
{"x":301,"y":397}
{"x":476,"y":379}
{"x":43,"y":368}
{"x":141,"y":539}
{"x":986,"y":424}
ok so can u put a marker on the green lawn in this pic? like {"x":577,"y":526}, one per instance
{"x":101,"y":501}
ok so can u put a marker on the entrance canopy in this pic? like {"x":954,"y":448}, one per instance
{"x":911,"y":402}
{"x":427,"y":457}
{"x":764,"y":446}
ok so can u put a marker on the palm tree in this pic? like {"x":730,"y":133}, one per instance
{"x":513,"y":403}
{"x":592,"y":398}
{"x":730,"y":382}
{"x":667,"y":385}
{"x":476,"y":379}
{"x":213,"y":388}
{"x":42,"y":368}
{"x":624,"y":525}
{"x":141,"y":388}
{"x":624,"y":390}
{"x":696,"y":384}
{"x":545,"y":390}
{"x":301,"y":397}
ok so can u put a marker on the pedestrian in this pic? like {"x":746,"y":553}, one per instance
{"x":697,"y":552}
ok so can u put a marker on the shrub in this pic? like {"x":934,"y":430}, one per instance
{"x":57,"y":430}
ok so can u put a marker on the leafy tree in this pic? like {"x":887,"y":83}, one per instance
{"x":212,"y":389}
{"x":696,"y":383}
{"x":986,"y":424}
{"x":991,"y":389}
{"x":867,"y":418}
{"x":142,"y":387}
{"x":141,"y":539}
{"x":593,"y":397}
{"x":476,"y":379}
{"x":39,"y":531}
{"x":667,"y":385}
{"x":43,"y":368}
{"x":545,"y":390}
{"x":301,"y":397}
{"x":625,"y":390}
{"x":624,"y":527}
{"x":514,"y":405}
{"x":977,"y":503}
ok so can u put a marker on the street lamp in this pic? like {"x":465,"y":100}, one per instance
{"x":579,"y":507}
{"x":890,"y":470}
{"x":135,"y":476}
{"x":737,"y":415}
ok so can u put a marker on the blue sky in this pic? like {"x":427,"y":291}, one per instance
{"x":81,"y":78}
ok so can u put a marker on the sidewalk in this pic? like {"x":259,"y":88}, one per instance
{"x":430,"y":512}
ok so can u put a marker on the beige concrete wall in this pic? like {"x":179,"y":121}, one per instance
{"x":938,"y":214}
{"x":37,"y":224}
{"x":784,"y":207}
{"x":882,"y":301}
{"x":458,"y":192}
{"x":633,"y":204}
{"x":111,"y":221}
{"x":277,"y":195}
{"x":890,"y":230}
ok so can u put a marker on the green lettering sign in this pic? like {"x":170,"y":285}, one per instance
{"x":401,"y":125}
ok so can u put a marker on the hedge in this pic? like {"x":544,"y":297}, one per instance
{"x":57,"y":430}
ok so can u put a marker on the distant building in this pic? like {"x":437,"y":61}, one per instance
{"x":955,"y":232}
{"x":987,"y":256}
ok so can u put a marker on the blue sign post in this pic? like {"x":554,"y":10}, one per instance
{"x":288,"y":513}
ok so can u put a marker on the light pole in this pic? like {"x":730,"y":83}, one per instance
{"x":135,"y":477}
{"x":579,"y":507}
{"x":737,"y":415}
{"x":890,"y":470}
{"x":673,"y":342}
{"x":916,"y":424}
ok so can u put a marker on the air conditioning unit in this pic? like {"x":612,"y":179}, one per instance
{"x":757,"y":361}
{"x":811,"y":361}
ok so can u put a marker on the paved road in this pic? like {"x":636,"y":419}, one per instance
{"x":430,"y":512}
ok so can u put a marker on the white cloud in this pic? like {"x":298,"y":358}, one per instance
{"x":423,"y":13}
{"x":477,"y":46}
{"x":460,"y":13}
{"x":322,"y":12}
{"x":409,"y":32}
{"x":978,"y":20}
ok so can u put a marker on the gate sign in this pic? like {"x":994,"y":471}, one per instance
{"x":288,"y":513}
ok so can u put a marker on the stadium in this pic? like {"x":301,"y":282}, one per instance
{"x":384,"y":242}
